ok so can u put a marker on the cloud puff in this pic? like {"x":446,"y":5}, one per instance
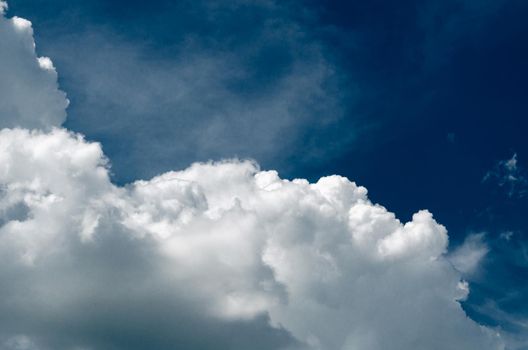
{"x":223,"y":246}
{"x":216,"y":256}
{"x":30,"y":94}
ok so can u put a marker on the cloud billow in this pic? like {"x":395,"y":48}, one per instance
{"x":220,"y":255}
{"x":28,"y":84}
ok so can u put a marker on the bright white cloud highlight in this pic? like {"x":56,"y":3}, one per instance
{"x":228,"y":241}
{"x":30,"y":96}
{"x":219,"y":255}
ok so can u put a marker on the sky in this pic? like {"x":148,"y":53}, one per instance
{"x":206,"y":175}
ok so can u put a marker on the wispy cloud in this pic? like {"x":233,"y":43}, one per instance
{"x":516,"y":331}
{"x":240,"y":79}
{"x":467,"y":257}
{"x":510,"y":176}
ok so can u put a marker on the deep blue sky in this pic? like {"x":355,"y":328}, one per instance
{"x":415,"y":100}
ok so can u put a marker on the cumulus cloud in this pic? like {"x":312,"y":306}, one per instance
{"x":29,"y":89}
{"x":216,"y":256}
{"x":318,"y":265}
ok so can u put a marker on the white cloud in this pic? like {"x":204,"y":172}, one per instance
{"x":467,"y":257}
{"x":227,"y":241}
{"x":219,"y":255}
{"x":28,"y":84}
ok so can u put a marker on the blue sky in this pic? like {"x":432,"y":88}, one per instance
{"x":422,"y":102}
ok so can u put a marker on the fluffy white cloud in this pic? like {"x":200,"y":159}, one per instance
{"x":216,"y":256}
{"x":28,"y":84}
{"x":224,"y":241}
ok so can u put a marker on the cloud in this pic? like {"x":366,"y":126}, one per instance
{"x":216,"y":256}
{"x":237,"y":79}
{"x":509,"y":175}
{"x":467,"y":257}
{"x":29,"y":89}
{"x":217,"y":245}
{"x":517,"y":325}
